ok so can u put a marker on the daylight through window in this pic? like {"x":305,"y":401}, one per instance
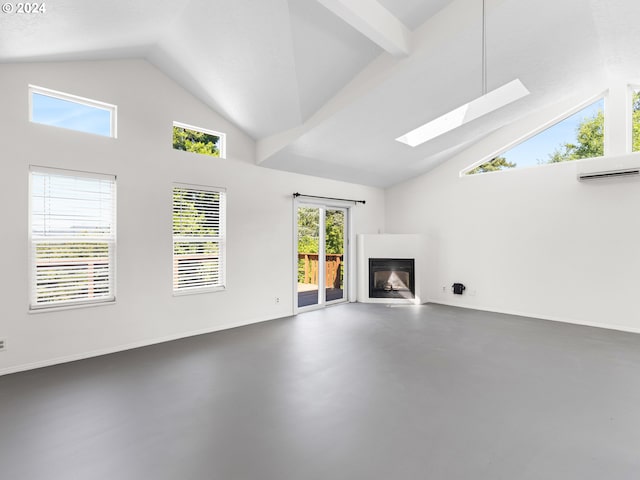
{"x":73,"y":238}
{"x":198,"y":140}
{"x":635,"y":120}
{"x":71,"y":112}
{"x":579,"y":136}
{"x":198,"y":238}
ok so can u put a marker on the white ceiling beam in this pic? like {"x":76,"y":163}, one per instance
{"x":375,"y":22}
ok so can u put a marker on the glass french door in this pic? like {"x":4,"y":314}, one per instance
{"x":321,"y":266}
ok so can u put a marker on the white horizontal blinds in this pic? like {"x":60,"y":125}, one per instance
{"x":198,"y":238}
{"x":72,"y":238}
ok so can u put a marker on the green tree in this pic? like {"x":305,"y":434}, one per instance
{"x":196,"y":215}
{"x":589,"y":141}
{"x":308,"y":230}
{"x":193,"y":217}
{"x":334,"y":231}
{"x":309,"y":233}
{"x":590,"y":136}
{"x":497,"y":164}
{"x":636,"y":122}
{"x":198,"y":142}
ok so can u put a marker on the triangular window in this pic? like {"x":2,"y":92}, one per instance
{"x":578,"y":136}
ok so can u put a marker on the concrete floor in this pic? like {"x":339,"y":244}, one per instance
{"x":310,"y":296}
{"x":348,"y":392}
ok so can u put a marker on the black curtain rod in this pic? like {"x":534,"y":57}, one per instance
{"x":296,"y":195}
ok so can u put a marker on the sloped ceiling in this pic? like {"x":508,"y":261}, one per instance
{"x":322,"y":98}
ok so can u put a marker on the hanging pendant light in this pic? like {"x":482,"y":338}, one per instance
{"x":486,"y":103}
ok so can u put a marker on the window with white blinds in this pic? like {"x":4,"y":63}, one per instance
{"x":198,"y":238}
{"x":73,"y":238}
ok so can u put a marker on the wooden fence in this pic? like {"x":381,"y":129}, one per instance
{"x":310,"y":269}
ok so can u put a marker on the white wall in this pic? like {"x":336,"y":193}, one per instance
{"x":530,"y":241}
{"x":259,"y":215}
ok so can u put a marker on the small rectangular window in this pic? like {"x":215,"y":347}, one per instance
{"x":198,"y":238}
{"x":198,"y":140}
{"x":74,"y":113}
{"x":73,"y":237}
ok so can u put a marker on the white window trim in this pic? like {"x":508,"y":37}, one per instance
{"x":533,"y":133}
{"x":112,"y":109}
{"x":32,"y":308}
{"x":221,"y":239}
{"x":631,"y":90}
{"x":223,"y":136}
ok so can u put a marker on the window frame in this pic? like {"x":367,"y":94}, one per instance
{"x":524,"y":138}
{"x":33,"y":306}
{"x":68,"y":97}
{"x":222,"y":143}
{"x":632,"y":90}
{"x":221,"y":240}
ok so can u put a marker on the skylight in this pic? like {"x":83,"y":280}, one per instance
{"x":483,"y":105}
{"x":68,"y":111}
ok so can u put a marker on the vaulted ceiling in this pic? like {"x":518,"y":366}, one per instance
{"x":316,"y":82}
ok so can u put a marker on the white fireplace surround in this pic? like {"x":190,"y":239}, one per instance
{"x":389,"y":246}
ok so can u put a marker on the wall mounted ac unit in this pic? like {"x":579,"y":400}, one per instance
{"x":609,"y":167}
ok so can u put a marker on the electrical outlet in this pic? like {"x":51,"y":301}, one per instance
{"x":277,"y":299}
{"x":3,"y":344}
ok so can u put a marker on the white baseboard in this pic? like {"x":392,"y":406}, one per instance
{"x":541,"y":317}
{"x":129,"y":346}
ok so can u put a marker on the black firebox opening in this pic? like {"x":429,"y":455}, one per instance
{"x":392,"y":278}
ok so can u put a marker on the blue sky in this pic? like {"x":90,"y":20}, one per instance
{"x":72,"y":115}
{"x":544,"y":143}
{"x":90,"y":119}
